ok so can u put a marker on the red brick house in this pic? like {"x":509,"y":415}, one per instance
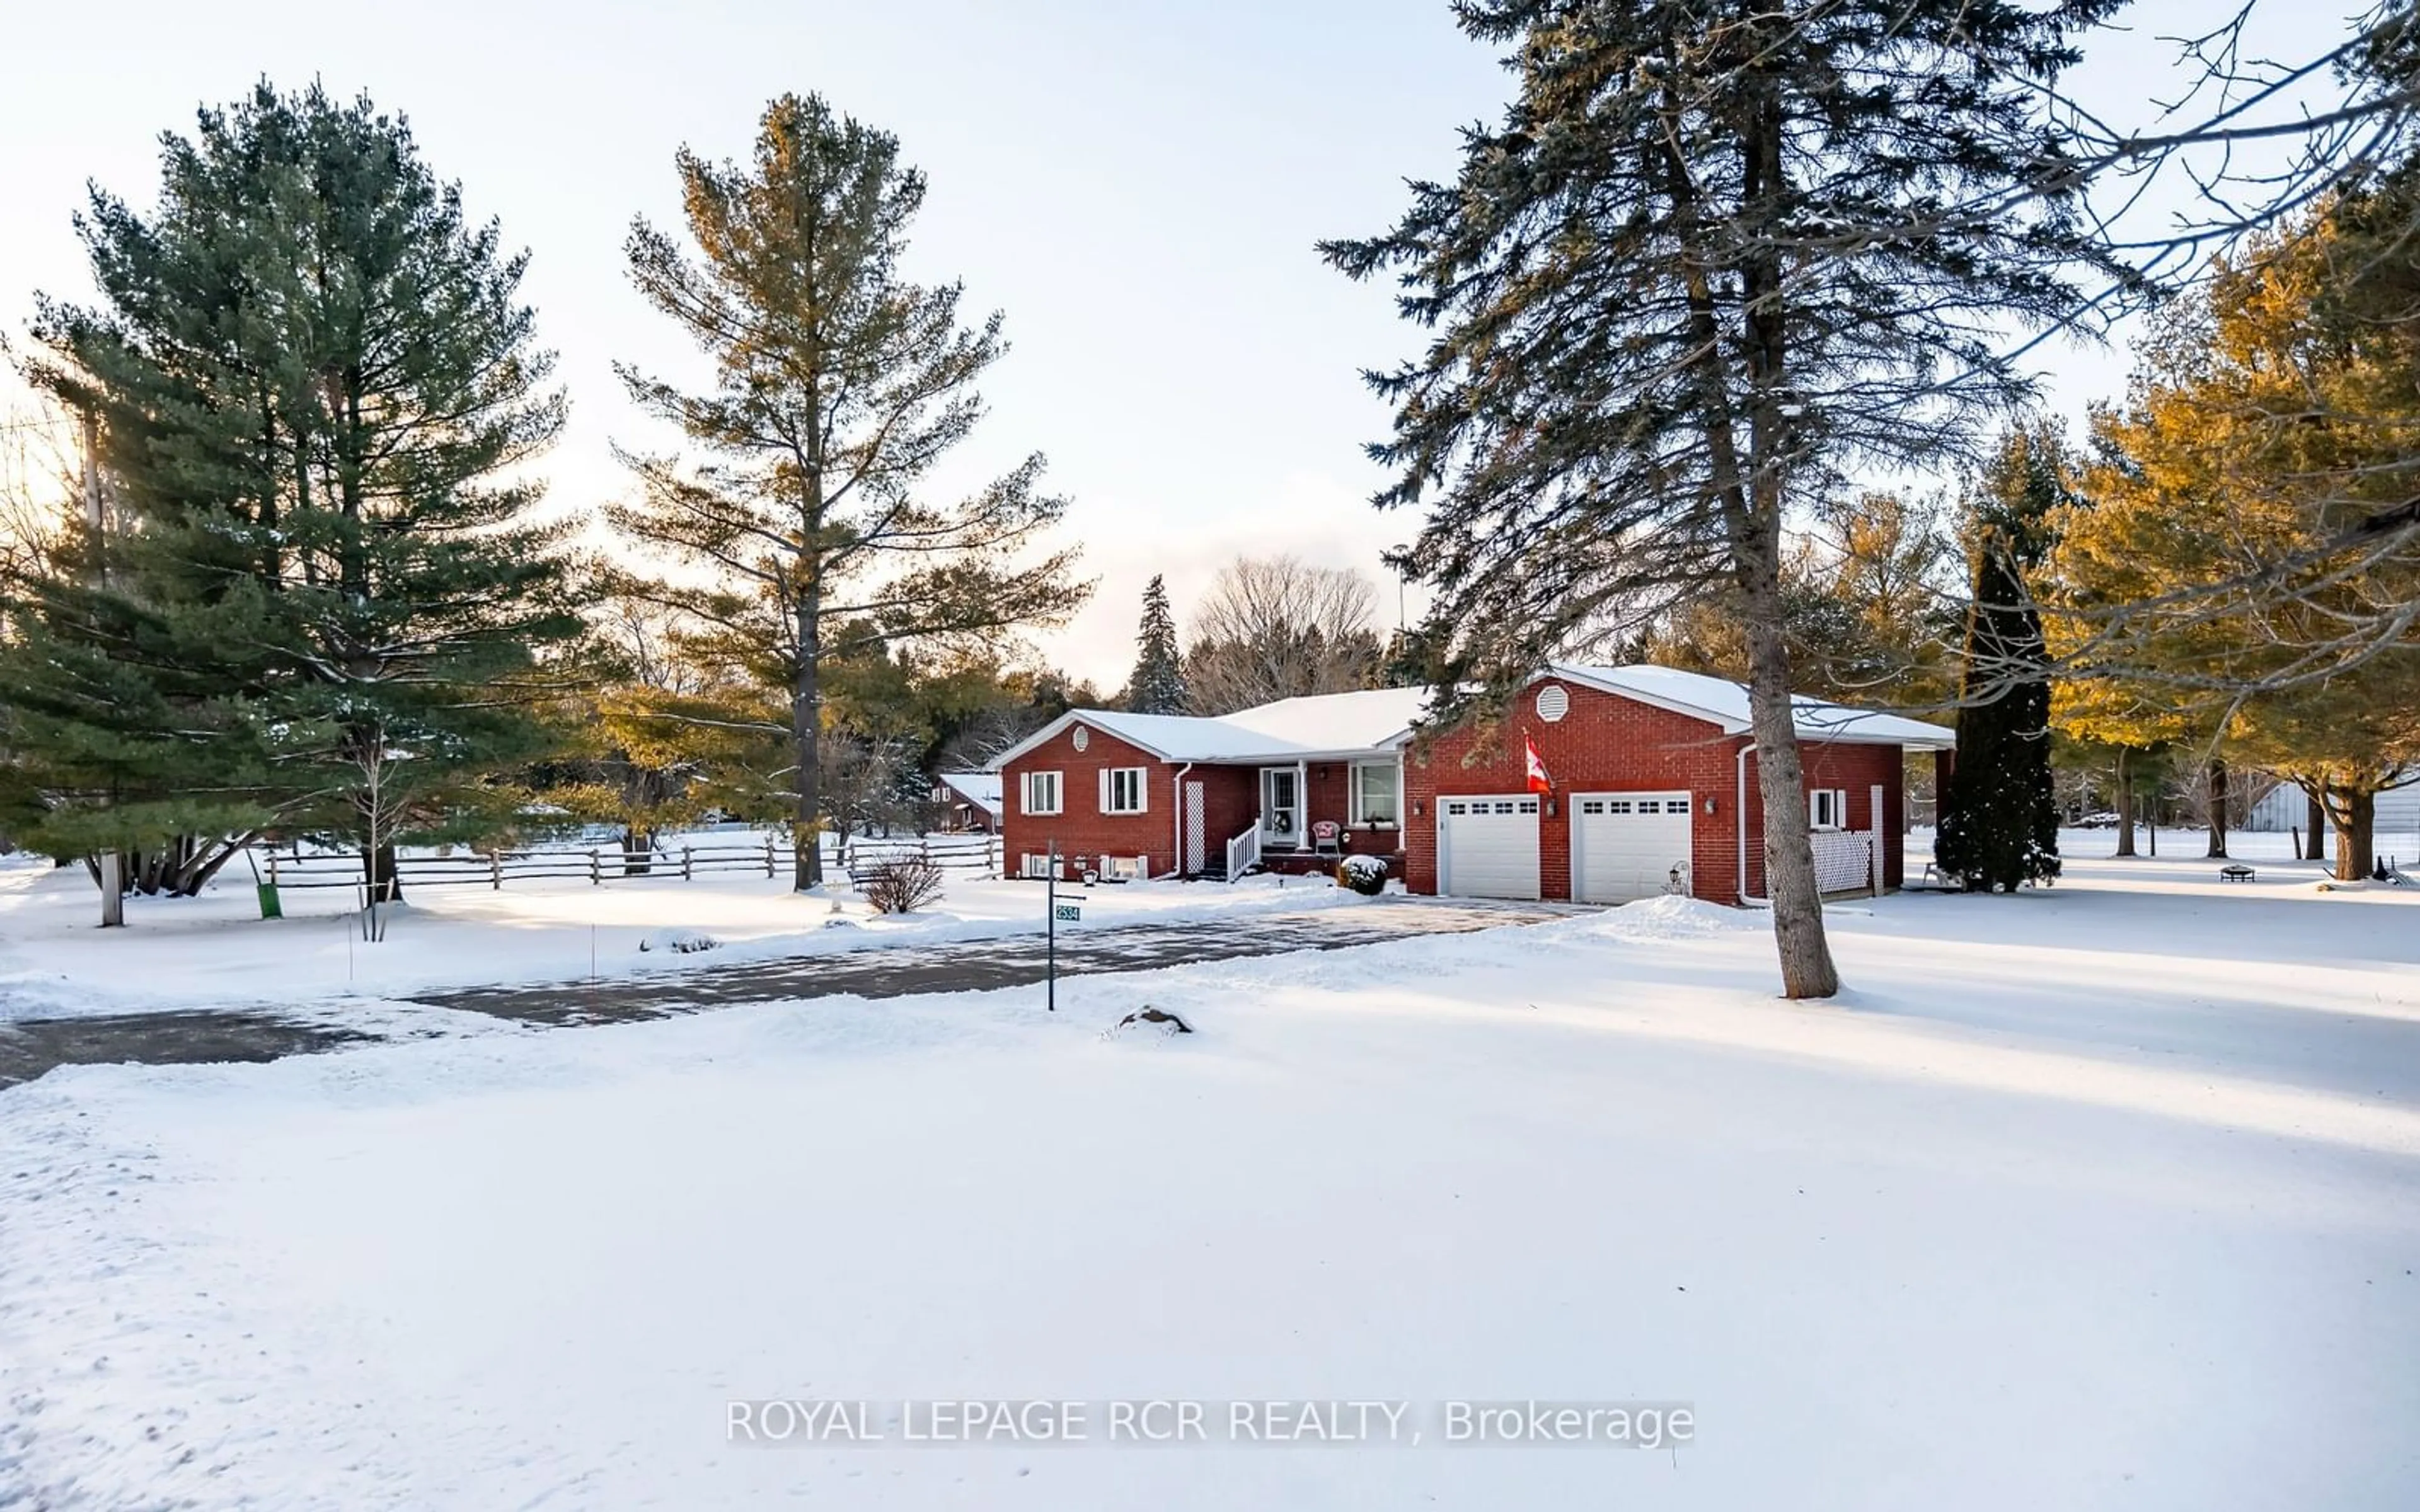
{"x":1651,"y":775}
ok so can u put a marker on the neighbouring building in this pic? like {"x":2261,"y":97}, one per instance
{"x":1651,"y":787}
{"x":969,"y":801}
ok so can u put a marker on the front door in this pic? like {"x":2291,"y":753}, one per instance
{"x":1280,"y":805}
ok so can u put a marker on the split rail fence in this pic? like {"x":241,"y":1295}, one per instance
{"x":964,"y":856}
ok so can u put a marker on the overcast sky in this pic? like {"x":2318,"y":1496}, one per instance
{"x":1137,"y":186}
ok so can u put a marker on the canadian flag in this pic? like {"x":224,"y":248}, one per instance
{"x":1539,"y":780}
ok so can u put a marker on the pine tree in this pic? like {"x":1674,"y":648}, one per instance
{"x":1157,"y":685}
{"x":1717,"y":253}
{"x":2246,"y":579}
{"x":1999,"y":815}
{"x":839,"y":385}
{"x":320,"y":593}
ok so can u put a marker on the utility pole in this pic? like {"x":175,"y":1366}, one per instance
{"x":113,"y":887}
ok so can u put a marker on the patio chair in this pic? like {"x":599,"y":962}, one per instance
{"x":1325,"y":838}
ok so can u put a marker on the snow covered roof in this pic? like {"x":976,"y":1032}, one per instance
{"x":982,"y":788}
{"x":1334,"y":725}
{"x":1721,"y":702}
{"x":1330,"y":724}
{"x":1380,"y":717}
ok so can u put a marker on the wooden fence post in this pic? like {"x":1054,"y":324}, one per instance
{"x":595,"y":868}
{"x":496,"y":869}
{"x":685,"y":872}
{"x":769,"y":853}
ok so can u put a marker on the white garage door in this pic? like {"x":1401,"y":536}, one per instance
{"x":1624,"y":846}
{"x":1487,"y":848}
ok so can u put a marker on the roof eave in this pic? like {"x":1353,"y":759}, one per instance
{"x":1576,"y":674}
{"x":1042,"y":737}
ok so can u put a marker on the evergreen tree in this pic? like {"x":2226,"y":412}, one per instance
{"x":1157,"y":685}
{"x":839,"y":385}
{"x":1999,"y":816}
{"x":1716,"y":252}
{"x":318,"y":595}
{"x":2246,"y":581}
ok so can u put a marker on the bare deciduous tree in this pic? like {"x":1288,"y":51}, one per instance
{"x":1276,"y":627}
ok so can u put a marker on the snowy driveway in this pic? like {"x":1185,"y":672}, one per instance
{"x":29,"y":1047}
{"x":979,"y":965}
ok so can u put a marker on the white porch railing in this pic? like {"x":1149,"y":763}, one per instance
{"x":1243,"y":851}
{"x":1846,"y":860}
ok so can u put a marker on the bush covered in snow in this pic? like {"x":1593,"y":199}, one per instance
{"x":1364,"y":875}
{"x":679,"y":941}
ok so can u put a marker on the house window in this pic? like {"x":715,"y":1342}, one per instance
{"x":1828,"y":809}
{"x":1377,"y":793}
{"x":1040,"y":794}
{"x":1123,"y":790}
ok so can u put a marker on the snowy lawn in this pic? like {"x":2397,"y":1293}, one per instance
{"x":2101,"y":1196}
{"x":217,"y":951}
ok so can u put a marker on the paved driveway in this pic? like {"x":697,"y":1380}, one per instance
{"x":977,"y":965}
{"x":29,"y":1047}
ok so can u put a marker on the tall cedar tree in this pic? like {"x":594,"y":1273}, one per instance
{"x":1157,"y":685}
{"x":321,"y":591}
{"x":838,"y":386}
{"x":1714,"y":254}
{"x":1999,"y":815}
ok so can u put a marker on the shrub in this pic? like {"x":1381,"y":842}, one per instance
{"x":901,"y":884}
{"x":1364,"y":875}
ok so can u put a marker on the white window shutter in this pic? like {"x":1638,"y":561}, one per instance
{"x":1105,"y":789}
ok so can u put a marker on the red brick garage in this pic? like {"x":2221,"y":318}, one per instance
{"x":1610,"y":737}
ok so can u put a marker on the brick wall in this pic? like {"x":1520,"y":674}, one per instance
{"x":1610,"y":744}
{"x":1604,"y":744}
{"x":1331,"y":798}
{"x":1080,"y":828}
{"x":1231,"y":804}
{"x":1858,"y":768}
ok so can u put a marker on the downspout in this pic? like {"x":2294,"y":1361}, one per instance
{"x":1177,"y":809}
{"x":1739,"y":821}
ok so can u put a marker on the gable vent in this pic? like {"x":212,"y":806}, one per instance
{"x":1082,"y":738}
{"x":1554,"y":701}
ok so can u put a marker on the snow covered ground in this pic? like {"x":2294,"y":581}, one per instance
{"x":217,"y":951}
{"x":2101,"y":1196}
